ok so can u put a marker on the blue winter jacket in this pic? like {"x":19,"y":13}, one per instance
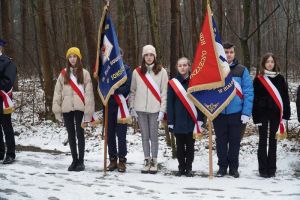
{"x":177,"y":113}
{"x":242,"y":76}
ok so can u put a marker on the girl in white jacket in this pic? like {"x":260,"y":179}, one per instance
{"x":148,"y":98}
{"x":74,"y":101}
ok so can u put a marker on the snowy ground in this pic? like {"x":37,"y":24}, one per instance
{"x":37,"y":175}
{"x":40,"y":175}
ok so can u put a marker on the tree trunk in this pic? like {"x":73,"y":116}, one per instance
{"x":130,"y":34}
{"x":258,"y":52}
{"x":91,"y":41}
{"x":57,"y":65}
{"x":45,"y":59}
{"x":175,"y":37}
{"x":245,"y":33}
{"x":7,"y":32}
{"x":194,"y":26}
{"x":152,"y":10}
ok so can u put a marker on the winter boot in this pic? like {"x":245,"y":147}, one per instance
{"x":222,"y":172}
{"x":73,"y":165}
{"x":189,"y":173}
{"x":234,"y":173}
{"x":153,"y":168}
{"x":147,"y":165}
{"x":80,"y":166}
{"x":113,"y":164}
{"x":122,"y":165}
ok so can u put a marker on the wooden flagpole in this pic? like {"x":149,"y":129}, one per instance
{"x":210,"y":149}
{"x":105,"y":138}
{"x":95,"y":75}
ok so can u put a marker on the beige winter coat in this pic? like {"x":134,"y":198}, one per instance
{"x":142,"y":99}
{"x":66,"y":100}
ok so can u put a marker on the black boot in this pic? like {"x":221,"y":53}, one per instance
{"x":234,"y":173}
{"x":1,"y":156}
{"x":73,"y":165}
{"x":80,"y":166}
{"x":263,"y":175}
{"x":189,"y":173}
{"x":222,"y":172}
{"x":180,"y":172}
{"x":8,"y":160}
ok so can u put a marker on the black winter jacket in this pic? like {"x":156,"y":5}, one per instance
{"x":8,"y":73}
{"x":264,"y":105}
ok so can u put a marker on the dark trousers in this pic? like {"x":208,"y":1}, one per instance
{"x":267,"y":160}
{"x":185,"y":151}
{"x":7,"y":129}
{"x":228,"y":137}
{"x":119,"y":130}
{"x":72,"y":122}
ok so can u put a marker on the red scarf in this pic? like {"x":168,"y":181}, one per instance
{"x":8,"y":105}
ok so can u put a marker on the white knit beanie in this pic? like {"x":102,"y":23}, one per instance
{"x":149,"y":49}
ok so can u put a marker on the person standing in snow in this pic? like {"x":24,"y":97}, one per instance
{"x":181,"y":122}
{"x":73,"y":101}
{"x":117,"y":125}
{"x":8,"y":72}
{"x":298,"y":103}
{"x":148,"y":103}
{"x":271,"y":107}
{"x":229,"y":124}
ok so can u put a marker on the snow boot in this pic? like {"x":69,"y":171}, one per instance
{"x":113,"y":164}
{"x":80,"y":166}
{"x":146,"y":167}
{"x":73,"y":165}
{"x":153,"y":168}
{"x":122,"y":165}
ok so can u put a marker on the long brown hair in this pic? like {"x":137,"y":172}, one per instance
{"x":156,"y":68}
{"x":264,"y":59}
{"x":78,"y":73}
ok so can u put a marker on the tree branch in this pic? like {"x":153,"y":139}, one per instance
{"x":263,"y":21}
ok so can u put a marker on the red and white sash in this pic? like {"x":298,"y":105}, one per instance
{"x":281,"y":133}
{"x":79,"y":90}
{"x":8,"y":105}
{"x":238,"y":89}
{"x":190,"y":107}
{"x":123,"y":111}
{"x":150,"y":83}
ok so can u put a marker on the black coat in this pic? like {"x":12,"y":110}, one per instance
{"x":8,"y":73}
{"x":264,"y":105}
{"x":298,"y":103}
{"x":177,"y":113}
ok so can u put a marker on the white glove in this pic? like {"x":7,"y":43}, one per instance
{"x":200,"y":123}
{"x":160,"y":116}
{"x":171,"y":126}
{"x":133,"y":113}
{"x":245,"y":119}
{"x":259,"y":124}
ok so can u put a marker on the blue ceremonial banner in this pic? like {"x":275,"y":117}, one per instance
{"x":211,"y":87}
{"x":111,"y":72}
{"x":212,"y":102}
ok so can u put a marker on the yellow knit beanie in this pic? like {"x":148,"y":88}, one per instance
{"x":74,"y":50}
